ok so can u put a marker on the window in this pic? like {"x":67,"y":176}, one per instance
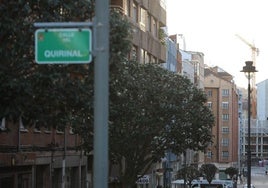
{"x":225,"y":105}
{"x":128,"y":7}
{"x":153,"y":59}
{"x":148,"y":25}
{"x":225,"y":92}
{"x":225,"y":142}
{"x":142,"y":60}
{"x":143,"y":17}
{"x":225,"y":154}
{"x":47,"y":129}
{"x":225,"y":117}
{"x":225,"y":130}
{"x":3,"y":124}
{"x":209,"y":105}
{"x":71,"y":131}
{"x":37,"y":127}
{"x":209,"y":154}
{"x":135,"y":13}
{"x":133,"y":53}
{"x":22,"y":128}
{"x":60,"y":130}
{"x":209,"y":93}
{"x":154,"y":27}
{"x":147,"y":57}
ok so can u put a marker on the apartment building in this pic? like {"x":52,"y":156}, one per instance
{"x":149,"y":22}
{"x":223,"y":99}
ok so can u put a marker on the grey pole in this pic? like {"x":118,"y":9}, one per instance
{"x":101,"y":78}
{"x":248,"y":69}
{"x":249,"y":144}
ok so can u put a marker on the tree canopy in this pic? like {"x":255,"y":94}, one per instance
{"x":208,"y":171}
{"x":42,"y":93}
{"x":231,"y":171}
{"x":188,"y":174}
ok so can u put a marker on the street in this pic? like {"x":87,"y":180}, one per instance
{"x":258,"y":178}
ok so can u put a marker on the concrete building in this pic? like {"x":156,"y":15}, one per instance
{"x":149,"y":20}
{"x":258,"y":128}
{"x":223,"y":100}
{"x":262,"y":100}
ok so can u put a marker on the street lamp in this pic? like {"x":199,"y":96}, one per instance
{"x":249,"y":70}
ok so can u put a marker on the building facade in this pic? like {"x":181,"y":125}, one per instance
{"x":149,"y":22}
{"x":38,"y":157}
{"x":171,"y":63}
{"x":262,"y":100}
{"x":223,"y":99}
{"x":258,"y":129}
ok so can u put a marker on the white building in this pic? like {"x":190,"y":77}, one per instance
{"x":262,"y":100}
{"x":187,"y":65}
{"x":172,"y":62}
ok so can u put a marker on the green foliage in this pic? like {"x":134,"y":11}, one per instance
{"x":120,"y":45}
{"x":208,"y":171}
{"x":162,"y":36}
{"x":120,"y":38}
{"x":188,"y":173}
{"x":50,"y":95}
{"x":151,"y":110}
{"x":231,"y":171}
{"x":30,"y":90}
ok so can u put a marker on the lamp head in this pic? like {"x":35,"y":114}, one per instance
{"x":249,"y":68}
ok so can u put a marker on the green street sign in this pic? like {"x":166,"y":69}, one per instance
{"x":63,"y":46}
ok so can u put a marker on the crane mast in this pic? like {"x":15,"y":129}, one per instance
{"x":254,"y":54}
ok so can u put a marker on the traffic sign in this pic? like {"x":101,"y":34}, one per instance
{"x":63,"y":46}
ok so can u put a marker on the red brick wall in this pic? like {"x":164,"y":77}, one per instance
{"x":32,"y":138}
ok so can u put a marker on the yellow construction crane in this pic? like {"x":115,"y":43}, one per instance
{"x":254,"y":49}
{"x":255,"y":53}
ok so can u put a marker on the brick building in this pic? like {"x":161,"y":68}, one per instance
{"x":223,"y":101}
{"x":31,"y":157}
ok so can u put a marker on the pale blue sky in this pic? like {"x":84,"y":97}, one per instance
{"x":209,"y":26}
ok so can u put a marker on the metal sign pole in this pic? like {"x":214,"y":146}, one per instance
{"x":101,"y":82}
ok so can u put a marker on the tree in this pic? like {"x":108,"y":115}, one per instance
{"x":231,"y":171}
{"x":188,"y":173}
{"x":38,"y":92}
{"x":208,"y":171}
{"x":147,"y":104}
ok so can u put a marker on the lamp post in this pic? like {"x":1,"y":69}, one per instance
{"x":249,"y":69}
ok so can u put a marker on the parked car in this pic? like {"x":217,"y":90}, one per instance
{"x":246,"y":186}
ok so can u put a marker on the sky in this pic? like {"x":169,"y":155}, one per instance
{"x":211,"y":26}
